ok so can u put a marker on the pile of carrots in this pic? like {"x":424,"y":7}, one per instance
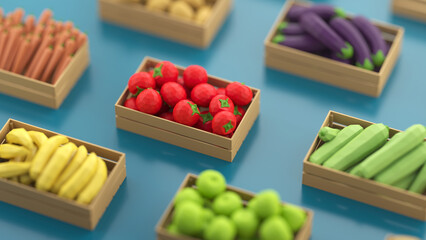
{"x":37,"y":49}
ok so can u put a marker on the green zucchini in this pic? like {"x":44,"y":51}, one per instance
{"x":392,"y":151}
{"x":406,"y":181}
{"x":327,"y":133}
{"x":329,"y":148}
{"x":404,"y":166}
{"x":368,"y":141}
{"x":419,"y":184}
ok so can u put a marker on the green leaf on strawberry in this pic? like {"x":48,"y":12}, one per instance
{"x":228,"y":126}
{"x":157,"y":71}
{"x":194,"y":108}
{"x":139,"y":91}
{"x":224,"y":102}
{"x":206,"y":117}
{"x":236,"y":112}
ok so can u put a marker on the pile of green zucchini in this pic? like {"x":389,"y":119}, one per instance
{"x":367,"y":153}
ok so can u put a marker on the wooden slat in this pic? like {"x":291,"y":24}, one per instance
{"x":415,"y":9}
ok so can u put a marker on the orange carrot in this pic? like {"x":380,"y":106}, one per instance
{"x":41,"y":65}
{"x":3,"y":39}
{"x":35,"y":42}
{"x":45,"y":16}
{"x":81,"y":39}
{"x":62,"y":69}
{"x":62,"y":38}
{"x":17,"y":16}
{"x":58,"y":26}
{"x":53,"y":62}
{"x":29,"y":23}
{"x":68,"y":25}
{"x":39,"y":29}
{"x":74,"y":33}
{"x":43,"y":45}
{"x":13,"y":52}
{"x":13,"y":38}
{"x":23,"y":49}
{"x":70,"y":46}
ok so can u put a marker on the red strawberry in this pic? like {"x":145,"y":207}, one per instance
{"x":224,"y":123}
{"x":221,"y":103}
{"x":188,"y":91}
{"x":140,"y":81}
{"x":202,"y":94}
{"x":239,"y":93}
{"x":165,"y":72}
{"x":164,"y":108}
{"x":172,"y":93}
{"x":131,"y":103}
{"x":149,"y":101}
{"x":186,"y":112}
{"x":167,"y":115}
{"x":221,"y":91}
{"x":205,"y":121}
{"x":194,"y":75}
{"x":239,"y":113}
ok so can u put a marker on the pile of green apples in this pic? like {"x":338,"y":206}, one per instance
{"x":208,"y":211}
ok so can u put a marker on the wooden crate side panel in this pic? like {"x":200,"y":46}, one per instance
{"x":26,"y":82}
{"x":365,"y":197}
{"x":172,"y":138}
{"x":160,"y":24}
{"x":415,"y":9}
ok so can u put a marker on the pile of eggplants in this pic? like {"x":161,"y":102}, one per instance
{"x":324,"y":30}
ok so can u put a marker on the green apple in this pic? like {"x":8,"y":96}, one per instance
{"x":226,"y":203}
{"x":211,"y":183}
{"x":275,"y":228}
{"x":265,"y":204}
{"x":220,"y":228}
{"x":295,"y":216}
{"x":172,"y":229}
{"x":208,"y":215}
{"x":189,"y":194}
{"x":246,"y":222}
{"x":189,"y":218}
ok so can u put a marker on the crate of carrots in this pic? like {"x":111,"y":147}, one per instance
{"x":205,"y":207}
{"x":370,"y":163}
{"x":323,"y":43}
{"x":40,"y":59}
{"x":57,"y":176}
{"x":415,"y":9}
{"x":191,"y":22}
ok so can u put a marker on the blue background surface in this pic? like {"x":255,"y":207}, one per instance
{"x":292,"y":110}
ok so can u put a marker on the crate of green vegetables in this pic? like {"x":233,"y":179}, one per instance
{"x":370,"y":163}
{"x":205,"y":207}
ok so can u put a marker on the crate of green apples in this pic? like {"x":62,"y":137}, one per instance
{"x":206,"y":208}
{"x":370,"y":163}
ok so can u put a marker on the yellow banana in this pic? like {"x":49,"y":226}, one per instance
{"x":13,"y":169}
{"x":55,"y":166}
{"x":38,"y":138}
{"x":9,"y":151}
{"x":14,"y":179}
{"x":17,"y":159}
{"x":72,"y":167}
{"x":25,"y":179}
{"x":20,"y":136}
{"x":80,"y":178}
{"x":95,"y":184}
{"x":44,"y":153}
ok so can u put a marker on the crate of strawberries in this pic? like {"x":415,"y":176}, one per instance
{"x":188,"y":108}
{"x":322,"y":42}
{"x":40,"y":59}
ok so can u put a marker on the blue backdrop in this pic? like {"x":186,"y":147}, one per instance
{"x":292,"y":111}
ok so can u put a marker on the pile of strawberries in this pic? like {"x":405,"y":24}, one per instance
{"x":189,"y":100}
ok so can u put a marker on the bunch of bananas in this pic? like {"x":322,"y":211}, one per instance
{"x":52,"y":164}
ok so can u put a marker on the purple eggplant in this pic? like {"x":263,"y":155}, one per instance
{"x":302,"y":42}
{"x":319,"y":29}
{"x":322,"y":10}
{"x":336,"y":58}
{"x":350,"y":33}
{"x":374,"y":38}
{"x":290,"y":28}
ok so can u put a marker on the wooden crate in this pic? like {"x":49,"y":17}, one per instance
{"x":329,"y":71}
{"x":415,"y":9}
{"x":51,"y":205}
{"x":162,"y":234}
{"x":401,"y":237}
{"x":356,"y":188}
{"x":46,"y":94}
{"x":136,"y":16}
{"x":181,"y":135}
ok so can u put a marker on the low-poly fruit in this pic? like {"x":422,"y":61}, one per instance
{"x":172,"y":229}
{"x":221,"y":103}
{"x":275,"y":228}
{"x":221,"y":91}
{"x":266,"y":204}
{"x":246,"y":222}
{"x":140,"y":81}
{"x":194,"y":75}
{"x":172,"y":93}
{"x":202,"y":94}
{"x":205,"y":121}
{"x":186,"y":112}
{"x":239,"y":93}
{"x":220,"y":228}
{"x":167,"y":115}
{"x":131,"y":103}
{"x":211,"y":183}
{"x":165,"y":72}
{"x":181,"y":10}
{"x":149,"y":101}
{"x":224,"y":123}
{"x":227,"y":203}
{"x":189,"y":194}
{"x":208,"y":215}
{"x":95,"y":184}
{"x":239,"y":113}
{"x":295,"y":216}
{"x":189,"y":218}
